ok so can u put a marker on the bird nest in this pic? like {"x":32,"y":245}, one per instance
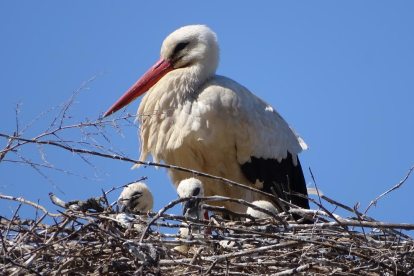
{"x":88,"y":239}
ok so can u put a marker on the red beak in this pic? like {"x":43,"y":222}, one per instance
{"x":151,"y":77}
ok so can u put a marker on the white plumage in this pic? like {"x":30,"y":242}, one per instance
{"x":262,"y":204}
{"x":191,"y":187}
{"x":186,"y":188}
{"x":195,"y":119}
{"x":136,"y":197}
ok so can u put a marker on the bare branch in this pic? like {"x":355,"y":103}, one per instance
{"x":68,"y":103}
{"x":390,"y":190}
{"x":22,"y":200}
{"x":37,"y":169}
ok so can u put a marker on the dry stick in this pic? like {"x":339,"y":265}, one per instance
{"x":278,"y":202}
{"x":345,"y":222}
{"x":223,"y":210}
{"x":292,"y":271}
{"x":210,"y":198}
{"x":104,"y":199}
{"x":5,"y":150}
{"x":160,"y":212}
{"x":37,"y":118}
{"x":119,"y":187}
{"x":239,"y":253}
{"x":17,"y":111}
{"x":392,"y":231}
{"x":330,"y":215}
{"x":22,"y":200}
{"x":58,"y":129}
{"x":50,"y":243}
{"x":314,"y":182}
{"x":81,"y":156}
{"x":50,"y":167}
{"x":58,"y":202}
{"x":146,"y":163}
{"x":5,"y":252}
{"x":90,"y":203}
{"x":301,"y":212}
{"x":196,"y":255}
{"x":390,"y":190}
{"x":21,"y":266}
{"x":360,"y":219}
{"x":37,"y":169}
{"x":211,"y":267}
{"x":68,"y":103}
{"x":32,"y":228}
{"x":251,"y":251}
{"x":227,"y":267}
{"x":11,"y":221}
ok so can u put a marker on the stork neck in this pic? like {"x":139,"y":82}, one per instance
{"x":189,"y":79}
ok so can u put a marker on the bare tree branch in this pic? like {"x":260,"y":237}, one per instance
{"x":22,"y":200}
{"x":390,"y":190}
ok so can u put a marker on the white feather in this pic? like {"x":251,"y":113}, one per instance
{"x":210,"y":123}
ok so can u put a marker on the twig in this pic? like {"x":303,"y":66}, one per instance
{"x":22,"y":200}
{"x":69,"y":102}
{"x":328,"y":213}
{"x":390,"y":190}
{"x":211,"y":267}
{"x":316,"y":186}
{"x":123,"y":186}
{"x":8,"y":259}
{"x":32,"y":165}
{"x":6,"y":149}
{"x":292,"y":271}
{"x":146,"y":163}
{"x":81,"y":205}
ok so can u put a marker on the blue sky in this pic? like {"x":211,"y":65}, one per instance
{"x":341,"y":73}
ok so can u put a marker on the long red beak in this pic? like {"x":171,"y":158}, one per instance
{"x":151,"y":77}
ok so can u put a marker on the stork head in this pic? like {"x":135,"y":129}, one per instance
{"x":191,"y":187}
{"x":192,"y":49}
{"x":262,"y":204}
{"x":136,"y":197}
{"x":192,"y":46}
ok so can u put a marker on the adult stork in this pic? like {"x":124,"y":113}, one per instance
{"x":196,"y":119}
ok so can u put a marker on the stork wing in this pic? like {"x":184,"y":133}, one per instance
{"x":266,"y":146}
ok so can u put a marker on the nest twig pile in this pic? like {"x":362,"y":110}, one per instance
{"x":83,"y":241}
{"x":90,"y":239}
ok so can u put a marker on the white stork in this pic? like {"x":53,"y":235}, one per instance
{"x":262,"y":204}
{"x":191,"y":208}
{"x":195,"y":119}
{"x":136,"y":197}
{"x":192,"y":187}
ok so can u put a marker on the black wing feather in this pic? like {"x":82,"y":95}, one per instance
{"x":282,"y":176}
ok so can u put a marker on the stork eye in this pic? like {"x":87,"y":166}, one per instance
{"x":179,"y":47}
{"x":196,"y":191}
{"x":136,"y":193}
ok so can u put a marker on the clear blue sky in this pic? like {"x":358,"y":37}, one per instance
{"x":340,"y":72}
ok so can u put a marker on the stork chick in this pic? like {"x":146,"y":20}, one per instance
{"x":262,"y":204}
{"x":191,"y":208}
{"x":191,"y":187}
{"x":136,"y":197}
